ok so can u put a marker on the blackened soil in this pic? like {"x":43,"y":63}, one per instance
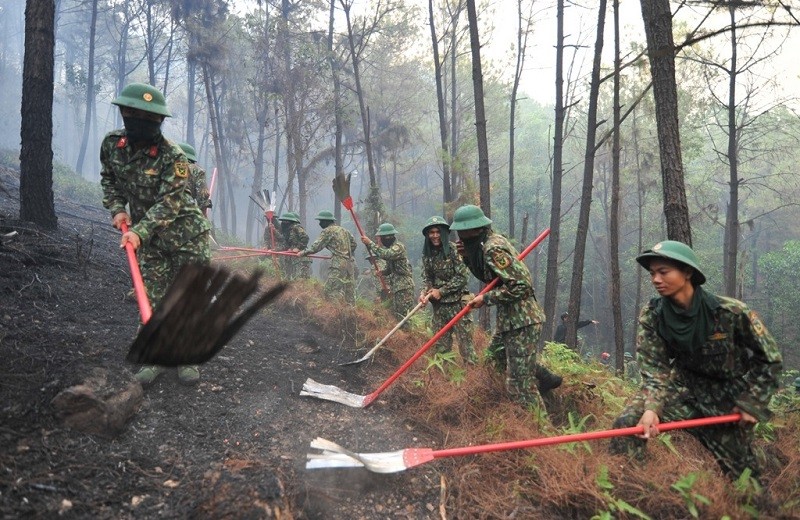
{"x":233,"y":446}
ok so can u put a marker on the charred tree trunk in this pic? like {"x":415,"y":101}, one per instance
{"x":613,"y":225}
{"x":551,"y":281}
{"x":661,"y":52}
{"x":576,"y":287}
{"x":731,"y":247}
{"x":447,"y":195}
{"x":87,"y":121}
{"x":36,"y":155}
{"x":337,"y":113}
{"x":480,"y":111}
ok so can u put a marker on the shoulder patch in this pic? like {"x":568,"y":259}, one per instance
{"x":501,"y":258}
{"x":181,"y":169}
{"x":758,"y":326}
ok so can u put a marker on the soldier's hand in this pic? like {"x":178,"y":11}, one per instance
{"x":595,"y":322}
{"x":119,"y":218}
{"x":747,"y":419}
{"x":435,"y":294}
{"x":365,"y":240}
{"x":132,"y":238}
{"x":650,"y":422}
{"x":477,"y":302}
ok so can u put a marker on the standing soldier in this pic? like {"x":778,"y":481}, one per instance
{"x":295,"y":239}
{"x":490,"y":255}
{"x":701,"y":355}
{"x":342,"y":245}
{"x":399,"y":276}
{"x":197,"y":180}
{"x":631,"y":368}
{"x":445,"y":285}
{"x":145,"y":174}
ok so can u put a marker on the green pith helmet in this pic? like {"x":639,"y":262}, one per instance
{"x":386,"y":229}
{"x":673,"y":250}
{"x":189,"y":151}
{"x":290,"y":216}
{"x":325,"y":215}
{"x":628,"y":355}
{"x":469,"y":217}
{"x":797,"y":384}
{"x":434,"y":221}
{"x":144,"y":97}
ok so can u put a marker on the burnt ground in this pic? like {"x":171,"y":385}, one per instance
{"x":233,"y":446}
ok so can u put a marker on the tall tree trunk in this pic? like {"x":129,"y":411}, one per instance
{"x":661,"y":52}
{"x":216,"y":136}
{"x":456,"y":172}
{"x":337,"y":112}
{"x":87,"y":121}
{"x":522,"y":44}
{"x":640,"y":201}
{"x":480,"y":111}
{"x":576,"y":287}
{"x":731,"y":246}
{"x":613,"y":231}
{"x":191,"y":99}
{"x":36,"y":133}
{"x":437,"y":67}
{"x":551,"y":281}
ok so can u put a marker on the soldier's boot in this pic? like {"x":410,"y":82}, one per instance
{"x":546,"y":380}
{"x":148,"y":373}
{"x":188,"y":374}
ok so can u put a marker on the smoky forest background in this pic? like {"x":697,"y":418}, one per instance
{"x":680,"y":123}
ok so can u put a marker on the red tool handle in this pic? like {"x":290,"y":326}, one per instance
{"x":371,"y":397}
{"x":145,"y":310}
{"x":270,"y":214}
{"x":416,"y":456}
{"x":348,"y":204}
{"x":271,"y":252}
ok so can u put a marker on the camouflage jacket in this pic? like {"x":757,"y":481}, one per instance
{"x":513,"y":295}
{"x":297,"y":238}
{"x":397,"y":272}
{"x":152,"y":183}
{"x":280,"y":240}
{"x":339,"y":242}
{"x":197,"y":186}
{"x":448,"y":274}
{"x":737,"y":365}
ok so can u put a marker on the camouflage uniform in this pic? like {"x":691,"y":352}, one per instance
{"x":519,"y":317}
{"x":295,"y":237}
{"x":449,"y":275}
{"x":341,"y":271}
{"x":398,"y":276}
{"x":197,"y":187}
{"x":152,"y":182}
{"x":738,"y":365}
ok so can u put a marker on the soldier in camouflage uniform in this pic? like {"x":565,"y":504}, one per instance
{"x":490,"y":255}
{"x":294,"y":239}
{"x":397,"y":273}
{"x":144,"y":178}
{"x":445,"y":285}
{"x":700,"y":355}
{"x":341,"y":273}
{"x":197,"y":180}
{"x":631,"y":368}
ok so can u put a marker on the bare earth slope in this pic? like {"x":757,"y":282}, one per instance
{"x":234,"y":446}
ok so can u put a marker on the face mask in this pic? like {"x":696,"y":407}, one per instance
{"x":141,"y":130}
{"x":325,"y":223}
{"x":387,"y":241}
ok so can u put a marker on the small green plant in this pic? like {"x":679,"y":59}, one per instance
{"x":576,"y":426}
{"x":684,"y":488}
{"x":748,"y":488}
{"x":666,"y":440}
{"x":447,"y":364}
{"x":612,"y":503}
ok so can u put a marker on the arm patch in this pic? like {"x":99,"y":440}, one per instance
{"x":181,"y":169}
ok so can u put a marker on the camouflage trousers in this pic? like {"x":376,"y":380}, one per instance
{"x":340,"y":284}
{"x":159,"y":267}
{"x":731,"y":444}
{"x":462,"y":330}
{"x":401,"y":301}
{"x":295,"y":268}
{"x":514,"y":352}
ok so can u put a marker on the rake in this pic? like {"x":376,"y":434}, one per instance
{"x":332,"y":393}
{"x":202,"y":310}
{"x":335,"y":456}
{"x":341,"y":187}
{"x":386,"y":337}
{"x":270,"y":252}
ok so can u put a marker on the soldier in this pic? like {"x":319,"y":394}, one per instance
{"x":631,"y":368}
{"x":561,"y":330}
{"x":197,"y":180}
{"x":148,"y":174}
{"x":397,"y":273}
{"x":371,"y":284}
{"x":797,"y":385}
{"x":294,"y":239}
{"x":700,"y":355}
{"x":342,"y":245}
{"x":445,"y":285}
{"x":490,"y":255}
